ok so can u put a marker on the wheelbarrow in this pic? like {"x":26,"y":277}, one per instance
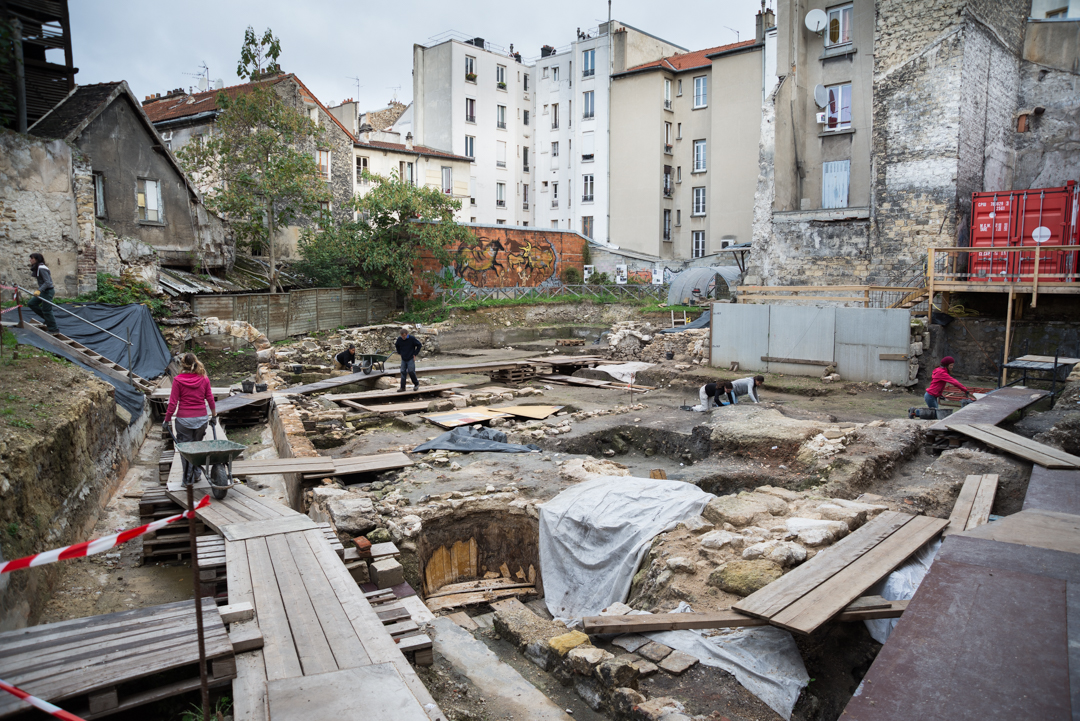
{"x":215,"y":457}
{"x":370,"y":361}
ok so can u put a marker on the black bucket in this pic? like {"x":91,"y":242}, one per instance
{"x":296,"y":368}
{"x":670,"y":355}
{"x":260,"y":388}
{"x":248,"y":386}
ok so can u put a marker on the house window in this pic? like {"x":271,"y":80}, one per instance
{"x":544,"y":73}
{"x":525,"y":196}
{"x":678,"y":174}
{"x":470,"y":147}
{"x":361,"y":166}
{"x":678,"y":90}
{"x":525,"y":159}
{"x":555,"y":224}
{"x":148,"y":197}
{"x":587,"y":226}
{"x":500,"y":154}
{"x":838,"y":111}
{"x":525,"y":83}
{"x":586,"y":188}
{"x":500,"y":195}
{"x":678,"y":132}
{"x":525,"y":115}
{"x":447,"y":180}
{"x":701,"y":91}
{"x":838,"y":31}
{"x":678,"y":217}
{"x":470,"y":69}
{"x":322,"y":157}
{"x":554,"y":116}
{"x":588,"y":107}
{"x":555,"y":197}
{"x":410,"y":176}
{"x":500,"y":76}
{"x":699,"y":156}
{"x":500,"y":117}
{"x":588,"y":63}
{"x":667,"y":137}
{"x":324,"y":209}
{"x":667,"y":225}
{"x":699,"y":201}
{"x":667,"y":94}
{"x":99,"y":195}
{"x":555,"y":73}
{"x":669,"y":189}
{"x":470,"y":110}
{"x":698,"y":250}
{"x":555,"y":149}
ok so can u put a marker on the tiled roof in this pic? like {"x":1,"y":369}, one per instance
{"x":688,"y":61}
{"x":83,"y":103}
{"x":182,"y":106}
{"x":416,"y":149}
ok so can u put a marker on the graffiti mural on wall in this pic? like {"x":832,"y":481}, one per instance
{"x":507,"y":262}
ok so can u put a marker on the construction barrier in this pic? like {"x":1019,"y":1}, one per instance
{"x":39,"y":703}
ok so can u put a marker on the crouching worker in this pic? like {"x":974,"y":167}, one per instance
{"x":941,"y":377}
{"x":747,"y":387}
{"x":714,"y":395}
{"x":189,"y":399}
{"x":343,"y":361}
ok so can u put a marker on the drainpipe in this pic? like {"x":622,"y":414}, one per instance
{"x":611,"y":69}
{"x":20,"y":74}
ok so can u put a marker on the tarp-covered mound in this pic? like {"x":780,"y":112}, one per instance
{"x":468,"y":440}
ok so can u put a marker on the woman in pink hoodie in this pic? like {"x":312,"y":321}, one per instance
{"x":938,"y":380}
{"x":190,"y":396}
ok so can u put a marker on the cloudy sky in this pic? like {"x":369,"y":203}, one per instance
{"x":159,"y":46}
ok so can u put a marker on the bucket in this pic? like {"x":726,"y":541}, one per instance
{"x":670,"y":355}
{"x":260,"y":388}
{"x":296,"y":368}
{"x":248,"y":386}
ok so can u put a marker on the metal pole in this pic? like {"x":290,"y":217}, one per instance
{"x":130,"y":374}
{"x":198,"y":604}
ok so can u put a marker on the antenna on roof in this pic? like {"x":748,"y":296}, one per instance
{"x":395,"y":88}
{"x":203,"y":75}
{"x":358,"y":86}
{"x":734,"y":31}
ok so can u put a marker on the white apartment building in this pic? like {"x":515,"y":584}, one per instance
{"x":572,"y":169}
{"x":474,"y":102}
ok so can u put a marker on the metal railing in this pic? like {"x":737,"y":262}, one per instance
{"x":634,"y":291}
{"x":127,"y":341}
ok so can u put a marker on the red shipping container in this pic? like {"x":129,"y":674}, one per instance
{"x":1020,"y":218}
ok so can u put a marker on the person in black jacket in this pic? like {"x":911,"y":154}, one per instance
{"x":45,"y":292}
{"x":343,"y":361}
{"x":408,"y":347}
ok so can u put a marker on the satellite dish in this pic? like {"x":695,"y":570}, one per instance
{"x":219,"y":84}
{"x":821,"y":96}
{"x":816,"y":20}
{"x":202,"y":84}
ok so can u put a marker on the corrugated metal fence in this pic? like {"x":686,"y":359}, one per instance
{"x":280,"y":315}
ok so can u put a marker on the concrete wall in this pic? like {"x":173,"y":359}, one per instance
{"x":46,"y":206}
{"x":637,"y":169}
{"x":632,"y":47}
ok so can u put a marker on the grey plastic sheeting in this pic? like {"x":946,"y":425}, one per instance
{"x":468,"y":440}
{"x":702,"y":321}
{"x":683,"y":284}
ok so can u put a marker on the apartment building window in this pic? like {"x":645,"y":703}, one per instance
{"x":838,"y":31}
{"x":148,"y":199}
{"x":554,"y":197}
{"x":838,"y":111}
{"x":588,"y":106}
{"x":554,"y":116}
{"x":525,"y":115}
{"x":678,"y":132}
{"x":470,"y":110}
{"x":588,"y":146}
{"x":500,"y":77}
{"x":361,"y":167}
{"x":699,"y":156}
{"x":555,"y":148}
{"x":470,"y":69}
{"x":587,"y":226}
{"x":555,"y":73}
{"x":701,"y":91}
{"x":500,"y":195}
{"x":678,"y":217}
{"x":586,"y":188}
{"x":447,"y":180}
{"x":555,"y":224}
{"x":500,"y":154}
{"x":525,"y":83}
{"x":667,"y":225}
{"x":472,"y":193}
{"x":409,"y":175}
{"x":99,"y":195}
{"x":669,"y":189}
{"x":500,"y":117}
{"x":525,"y":159}
{"x":699,"y":202}
{"x":525,"y":197}
{"x":544,"y":73}
{"x":667,"y":138}
{"x":698,"y":249}
{"x":588,"y":63}
{"x":667,"y":94}
{"x":678,"y":174}
{"x":322,"y":157}
{"x":678,"y":88}
{"x":470,"y":147}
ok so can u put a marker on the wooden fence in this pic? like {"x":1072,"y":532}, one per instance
{"x":911,"y":298}
{"x":280,"y":315}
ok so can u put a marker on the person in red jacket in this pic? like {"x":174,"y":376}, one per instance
{"x":939,"y":379}
{"x":191,"y":395}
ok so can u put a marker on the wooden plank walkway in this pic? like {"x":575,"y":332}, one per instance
{"x":79,"y":664}
{"x":992,"y":408}
{"x":345,"y":380}
{"x":805,"y":598}
{"x":392,"y":392}
{"x":972,"y":507}
{"x":1019,"y":446}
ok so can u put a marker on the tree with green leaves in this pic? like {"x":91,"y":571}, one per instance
{"x":398,"y":221}
{"x":259,"y":158}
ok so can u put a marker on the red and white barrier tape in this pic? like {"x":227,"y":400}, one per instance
{"x":89,"y":548}
{"x":38,"y":703}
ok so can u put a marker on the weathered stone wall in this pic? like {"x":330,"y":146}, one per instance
{"x":1048,"y":153}
{"x":978,"y":343}
{"x":290,"y":441}
{"x":385,"y":118}
{"x":46,"y":206}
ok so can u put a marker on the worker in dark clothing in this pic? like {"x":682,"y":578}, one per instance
{"x":343,"y":361}
{"x":718,"y":394}
{"x":45,"y":292}
{"x":408,"y":347}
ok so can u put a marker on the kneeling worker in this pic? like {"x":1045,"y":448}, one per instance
{"x":720,"y":394}
{"x":746,"y":386}
{"x":343,"y":361}
{"x":941,"y":377}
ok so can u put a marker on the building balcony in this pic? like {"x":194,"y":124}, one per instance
{"x":501,"y":86}
{"x":586,"y":157}
{"x":525,"y":168}
{"x":501,"y":124}
{"x":470,"y":77}
{"x":667,"y":148}
{"x":500,"y":163}
{"x":667,"y":236}
{"x":555,"y":125}
{"x":500,"y":203}
{"x":470,"y":118}
{"x":668,"y":192}
{"x":587,"y":198}
{"x":588,"y":72}
{"x":667,"y":105}
{"x":525,"y":205}
{"x":587,"y":115}
{"x":555,"y":203}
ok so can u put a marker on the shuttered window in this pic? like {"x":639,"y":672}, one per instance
{"x":836,"y":177}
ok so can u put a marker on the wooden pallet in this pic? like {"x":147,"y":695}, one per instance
{"x":515,"y":376}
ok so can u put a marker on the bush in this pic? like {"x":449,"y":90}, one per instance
{"x":121,"y":291}
{"x":599,"y":279}
{"x":571,"y":275}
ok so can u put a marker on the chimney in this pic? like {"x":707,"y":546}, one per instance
{"x":765,"y":20}
{"x":408,"y":141}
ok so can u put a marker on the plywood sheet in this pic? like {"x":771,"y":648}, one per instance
{"x":1053,"y":490}
{"x":370,"y":692}
{"x":535,"y":412}
{"x":453,"y":419}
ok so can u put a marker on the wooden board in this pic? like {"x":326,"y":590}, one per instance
{"x":371,"y":464}
{"x":535,"y":412}
{"x":797,"y":361}
{"x":241,"y":400}
{"x":407,"y":407}
{"x":392,"y":392}
{"x":993,"y":408}
{"x":1035,"y":527}
{"x":1019,"y":446}
{"x":458,"y":600}
{"x":454,"y":419}
{"x":376,"y":692}
{"x":254,"y":529}
{"x":338,"y":381}
{"x":1048,"y":359}
{"x":961,"y":513}
{"x":272,"y":466}
{"x":568,"y":360}
{"x":983,"y":503}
